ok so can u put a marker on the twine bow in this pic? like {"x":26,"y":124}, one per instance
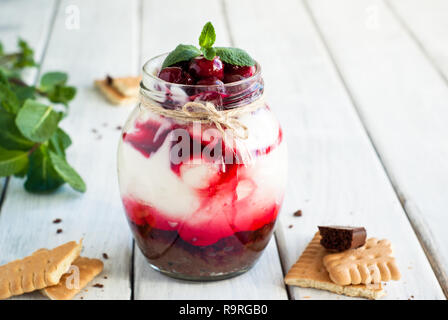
{"x":206,"y":112}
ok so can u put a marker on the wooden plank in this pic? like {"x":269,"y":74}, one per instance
{"x":427,"y":23}
{"x":335,"y":175}
{"x":402,"y":100}
{"x":99,"y":46}
{"x":264,"y":281}
{"x":12,"y":27}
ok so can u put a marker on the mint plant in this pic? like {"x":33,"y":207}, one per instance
{"x":182,"y":52}
{"x":32,"y":144}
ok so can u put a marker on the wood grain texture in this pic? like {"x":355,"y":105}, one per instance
{"x":264,"y":281}
{"x":427,"y":23}
{"x":402,"y":100}
{"x":335,"y":174}
{"x":99,"y":46}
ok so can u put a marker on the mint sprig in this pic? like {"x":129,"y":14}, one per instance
{"x":207,"y":39}
{"x":31,"y":142}
{"x":183,"y":52}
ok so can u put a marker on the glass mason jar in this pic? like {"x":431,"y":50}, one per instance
{"x":202,"y":203}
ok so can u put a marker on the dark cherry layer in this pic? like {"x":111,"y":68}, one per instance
{"x":169,"y":252}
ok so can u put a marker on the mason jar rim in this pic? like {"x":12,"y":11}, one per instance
{"x":255,"y":76}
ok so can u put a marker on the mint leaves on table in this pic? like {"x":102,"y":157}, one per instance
{"x":31,"y":142}
{"x":207,"y":39}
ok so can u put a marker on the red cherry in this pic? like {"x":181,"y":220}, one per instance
{"x":201,"y":68}
{"x":175,"y":75}
{"x":244,"y":71}
{"x":212,"y":81}
{"x":171,"y":74}
{"x":188,"y":79}
{"x":228,"y":78}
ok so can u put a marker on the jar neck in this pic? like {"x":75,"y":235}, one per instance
{"x":174,"y":96}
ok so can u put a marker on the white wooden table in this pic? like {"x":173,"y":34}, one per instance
{"x":361,"y":89}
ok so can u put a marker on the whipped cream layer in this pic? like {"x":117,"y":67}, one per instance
{"x":202,"y":200}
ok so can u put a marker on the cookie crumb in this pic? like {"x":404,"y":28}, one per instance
{"x":298,"y":213}
{"x":57,"y":220}
{"x":105,"y":277}
{"x":105,"y":256}
{"x":59,"y":231}
{"x":306,"y":297}
{"x":98,"y":285}
{"x":290,"y":226}
{"x":82,"y":298}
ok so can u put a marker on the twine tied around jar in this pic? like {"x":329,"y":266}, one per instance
{"x":206,"y":112}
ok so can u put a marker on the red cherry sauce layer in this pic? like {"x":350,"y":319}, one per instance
{"x":225,"y":242}
{"x":219,"y":195}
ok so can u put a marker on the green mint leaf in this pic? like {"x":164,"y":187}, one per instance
{"x":208,"y":36}
{"x":67,"y":173}
{"x":209,"y":53}
{"x":183,"y":52}
{"x":26,"y":56}
{"x":235,"y":56}
{"x":10,"y":136}
{"x":22,"y":173}
{"x":23,"y":92}
{"x":51,"y":79}
{"x":37,"y":121}
{"x":41,"y":176}
{"x":59,"y":141}
{"x":12,"y":161}
{"x":8,"y":100}
{"x":61,"y":94}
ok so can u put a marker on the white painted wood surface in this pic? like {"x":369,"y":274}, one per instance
{"x":427,"y":22}
{"x":403,"y":102}
{"x":335,"y":174}
{"x":265,"y":280}
{"x":86,"y":53}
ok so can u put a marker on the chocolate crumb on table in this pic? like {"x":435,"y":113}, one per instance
{"x":105,"y":256}
{"x":98,"y":285}
{"x":105,"y":277}
{"x":57,"y":220}
{"x":59,"y":231}
{"x":290,"y":226}
{"x":298,"y":213}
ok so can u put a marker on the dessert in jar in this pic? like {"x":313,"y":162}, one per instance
{"x":202,"y":163}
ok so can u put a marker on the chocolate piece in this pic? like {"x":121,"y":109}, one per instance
{"x":340,"y":238}
{"x":298,"y":213}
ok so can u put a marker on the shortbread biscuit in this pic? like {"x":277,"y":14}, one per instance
{"x":371,"y":263}
{"x":82,"y":271}
{"x":309,"y":272}
{"x":127,"y":86}
{"x":42,"y":269}
{"x":113,"y":95}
